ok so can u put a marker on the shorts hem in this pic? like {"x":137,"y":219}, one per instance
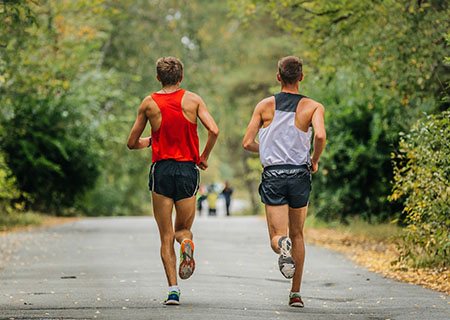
{"x":299,"y":206}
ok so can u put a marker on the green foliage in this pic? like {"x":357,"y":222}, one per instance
{"x":373,"y":81}
{"x":9,"y":193}
{"x":49,"y":152}
{"x":355,"y":170}
{"x":54,"y":97}
{"x":422,"y":177}
{"x":88,"y":64}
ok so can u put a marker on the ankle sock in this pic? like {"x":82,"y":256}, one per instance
{"x":292,"y":293}
{"x":174,"y":288}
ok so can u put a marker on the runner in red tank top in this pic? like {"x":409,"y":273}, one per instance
{"x":177,"y":137}
{"x":174,"y":177}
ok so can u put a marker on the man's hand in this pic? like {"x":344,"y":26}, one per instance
{"x":314,"y":166}
{"x":203,"y":163}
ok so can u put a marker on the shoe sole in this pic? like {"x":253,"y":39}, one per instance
{"x":297,"y":305}
{"x":285,"y":261}
{"x":171,"y":303}
{"x":187,"y":265}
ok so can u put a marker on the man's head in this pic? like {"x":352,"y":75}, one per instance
{"x":290,"y":70}
{"x":169,"y":70}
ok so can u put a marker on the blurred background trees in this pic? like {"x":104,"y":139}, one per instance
{"x":72,"y":74}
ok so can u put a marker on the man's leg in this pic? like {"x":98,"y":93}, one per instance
{"x":277,"y":222}
{"x":183,"y":222}
{"x":185,"y":209}
{"x":162,"y":210}
{"x":297,"y":219}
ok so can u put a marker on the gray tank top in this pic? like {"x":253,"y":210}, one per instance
{"x":281,"y":142}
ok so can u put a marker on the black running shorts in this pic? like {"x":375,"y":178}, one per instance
{"x":174,"y":179}
{"x":285,"y":184}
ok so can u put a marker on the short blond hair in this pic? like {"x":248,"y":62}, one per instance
{"x":169,"y":70}
{"x":290,"y":69}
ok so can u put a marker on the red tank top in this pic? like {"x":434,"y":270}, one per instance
{"x":177,"y":137}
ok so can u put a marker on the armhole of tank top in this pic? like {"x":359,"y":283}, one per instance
{"x":160,"y":125}
{"x":295,"y":119}
{"x":274,"y":110}
{"x":181,"y":106}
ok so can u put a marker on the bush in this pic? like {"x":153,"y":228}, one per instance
{"x":355,"y":169}
{"x":9,"y":194}
{"x":49,"y":151}
{"x":421,"y":175}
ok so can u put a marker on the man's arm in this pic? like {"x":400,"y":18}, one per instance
{"x":320,"y":136}
{"x":249,"y":143}
{"x":213,"y":132}
{"x":134,"y":140}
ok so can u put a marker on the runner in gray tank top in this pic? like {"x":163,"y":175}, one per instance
{"x":284,"y":122}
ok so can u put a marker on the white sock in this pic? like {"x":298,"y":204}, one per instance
{"x":174,"y":288}
{"x":292,"y":293}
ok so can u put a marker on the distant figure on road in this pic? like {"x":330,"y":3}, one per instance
{"x":283,"y":122}
{"x":201,"y":196}
{"x":212,"y":199}
{"x":227,"y":192}
{"x":174,"y":176}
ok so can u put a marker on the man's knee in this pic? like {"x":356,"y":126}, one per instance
{"x":167,"y":239}
{"x":296,"y":234}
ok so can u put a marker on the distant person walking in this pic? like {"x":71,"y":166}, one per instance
{"x":283,"y":122}
{"x":174,"y":176}
{"x":227,"y":192}
{"x":212,"y":199}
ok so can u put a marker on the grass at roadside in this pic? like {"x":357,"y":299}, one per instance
{"x":11,"y":221}
{"x":18,"y":221}
{"x":358,"y":227}
{"x":374,"y":246}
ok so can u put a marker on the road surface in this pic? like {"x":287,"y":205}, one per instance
{"x":109,"y":268}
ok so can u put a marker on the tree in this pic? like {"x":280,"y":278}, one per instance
{"x":373,"y":81}
{"x":51,"y":94}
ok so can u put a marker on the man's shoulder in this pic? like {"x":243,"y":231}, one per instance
{"x":148,"y":101}
{"x":266,"y":102}
{"x":148,"y":104}
{"x":192,"y":96}
{"x":311,"y":103}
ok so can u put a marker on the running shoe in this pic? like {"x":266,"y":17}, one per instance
{"x":285,"y":261}
{"x":173,"y":299}
{"x":187,"y":263}
{"x":296,"y":301}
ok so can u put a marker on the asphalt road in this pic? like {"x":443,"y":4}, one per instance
{"x":110,"y":269}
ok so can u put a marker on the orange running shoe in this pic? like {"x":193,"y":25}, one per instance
{"x":187,"y":263}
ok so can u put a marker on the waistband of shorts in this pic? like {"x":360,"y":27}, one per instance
{"x":191,"y":163}
{"x":285,"y":167}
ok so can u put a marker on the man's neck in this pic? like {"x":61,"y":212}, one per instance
{"x":170,"y":88}
{"x":290,"y":88}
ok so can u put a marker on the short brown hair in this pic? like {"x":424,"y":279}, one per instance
{"x":290,"y":69}
{"x":169,"y":70}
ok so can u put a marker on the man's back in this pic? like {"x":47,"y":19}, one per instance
{"x":285,"y":136}
{"x":190,"y":104}
{"x":303,"y":115}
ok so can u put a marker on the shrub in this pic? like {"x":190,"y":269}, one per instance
{"x":49,"y":150}
{"x":9,"y":194}
{"x":355,"y":169}
{"x":421,"y":176}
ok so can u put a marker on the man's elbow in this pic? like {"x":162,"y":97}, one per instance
{"x":320,"y":136}
{"x":214,"y":132}
{"x":246,"y":144}
{"x":130,"y":145}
